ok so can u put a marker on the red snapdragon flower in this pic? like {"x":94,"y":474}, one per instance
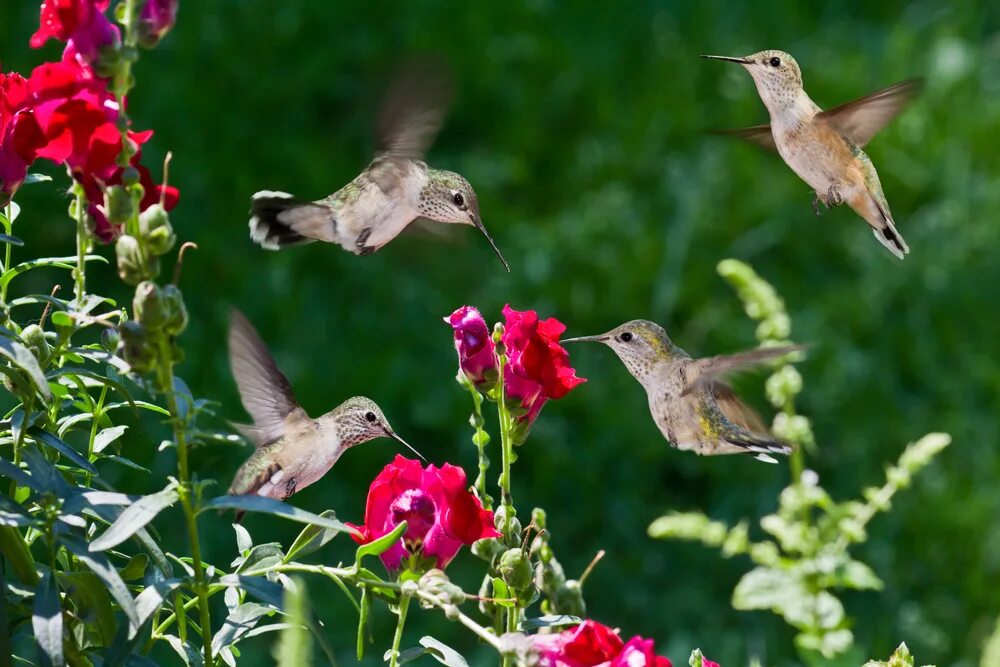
{"x":538,"y":366}
{"x":476,"y":353}
{"x":156,"y":18}
{"x":593,"y":644}
{"x":20,"y":134}
{"x":440,"y":511}
{"x":81,"y":24}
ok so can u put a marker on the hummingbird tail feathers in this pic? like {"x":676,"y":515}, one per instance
{"x":278,"y":219}
{"x":876,"y":213}
{"x":891,"y":239}
{"x":761,"y":447}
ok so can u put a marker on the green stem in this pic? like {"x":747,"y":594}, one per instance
{"x":506,"y":447}
{"x":29,"y":405}
{"x":98,"y":410}
{"x":404,"y":605}
{"x":184,"y":475}
{"x":9,"y":229}
{"x":79,"y":274}
{"x":480,"y":440}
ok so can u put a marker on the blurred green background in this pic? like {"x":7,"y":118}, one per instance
{"x":582,"y":127}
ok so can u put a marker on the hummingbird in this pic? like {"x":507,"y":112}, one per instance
{"x":395,"y":189}
{"x":824,"y":147}
{"x":691,"y":405}
{"x":293,"y":450}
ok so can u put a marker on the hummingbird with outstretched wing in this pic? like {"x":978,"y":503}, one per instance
{"x":692,"y":406}
{"x":824,"y":148}
{"x":395,"y":189}
{"x":292,"y":450}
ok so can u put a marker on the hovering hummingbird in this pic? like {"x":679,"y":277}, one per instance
{"x":293,"y":450}
{"x":824,"y":147}
{"x":693,"y":408}
{"x":394,"y":190}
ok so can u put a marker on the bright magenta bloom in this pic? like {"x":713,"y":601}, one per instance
{"x":593,"y":644}
{"x":156,"y":19}
{"x":538,"y":366}
{"x":81,"y":24}
{"x":20,"y":135}
{"x":474,"y":344}
{"x":440,"y":512}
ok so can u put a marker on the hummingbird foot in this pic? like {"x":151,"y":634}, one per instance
{"x":833,"y":196}
{"x":816,"y":201}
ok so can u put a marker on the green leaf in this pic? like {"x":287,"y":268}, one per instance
{"x":550,"y":621}
{"x":260,"y":587}
{"x":13,"y":210}
{"x":107,"y":436}
{"x":21,"y":356}
{"x":47,"y":622}
{"x":60,"y":446}
{"x":262,"y":557}
{"x":241,"y":620}
{"x":8,"y":469}
{"x":312,"y":538}
{"x":274,"y":508}
{"x":858,"y":576}
{"x":768,"y":588}
{"x":191,"y":656}
{"x":443,"y":653}
{"x":381,"y":545}
{"x":52,"y":262}
{"x":135,"y":517}
{"x":98,"y":563}
{"x":12,"y":240}
{"x":35,"y":178}
{"x":135,"y":568}
{"x":151,"y":598}
{"x":13,"y":514}
{"x":93,"y":605}
{"x":243,"y":540}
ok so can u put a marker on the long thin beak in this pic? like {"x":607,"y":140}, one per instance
{"x":392,"y":434}
{"x":587,"y":339}
{"x":742,"y":61}
{"x":479,"y":225}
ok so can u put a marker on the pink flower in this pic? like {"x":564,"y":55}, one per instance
{"x":705,"y":662}
{"x":81,"y":24}
{"x":538,"y":366}
{"x":156,"y":19}
{"x":440,"y":512}
{"x":593,"y":644}
{"x":20,"y":135}
{"x":474,"y":344}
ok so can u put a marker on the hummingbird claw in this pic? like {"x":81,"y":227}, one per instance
{"x":815,"y":203}
{"x":833,"y":196}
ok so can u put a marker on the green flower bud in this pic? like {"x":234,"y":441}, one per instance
{"x":110,"y":338}
{"x":149,"y":306}
{"x":130,"y":175}
{"x":118,"y":205}
{"x":34,"y":338}
{"x":177,"y":316}
{"x":131,"y":266}
{"x":515,"y":568}
{"x":154,"y":223}
{"x":568,"y":599}
{"x":487,"y":549}
{"x":136,"y":347}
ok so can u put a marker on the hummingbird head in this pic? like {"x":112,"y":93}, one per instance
{"x":360,"y":419}
{"x":776,"y":75}
{"x":448,"y":197}
{"x":640,"y":344}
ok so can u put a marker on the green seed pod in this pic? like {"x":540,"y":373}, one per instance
{"x":568,"y":599}
{"x":136,"y":347}
{"x":131,"y":267}
{"x":149,"y":306}
{"x":110,"y":338}
{"x":154,"y":223}
{"x":177,"y":316}
{"x":118,"y":205}
{"x":515,"y":568}
{"x":34,"y":338}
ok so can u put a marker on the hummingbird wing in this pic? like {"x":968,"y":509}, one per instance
{"x":413,"y":110}
{"x":736,"y":410}
{"x":758,"y":134}
{"x":860,"y":119}
{"x":264,"y":390}
{"x":700,"y":372}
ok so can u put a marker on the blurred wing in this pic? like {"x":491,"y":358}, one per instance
{"x":861,"y":119}
{"x":264,"y":390}
{"x":758,"y":134}
{"x":413,"y":110}
{"x":703,"y":371}
{"x":736,"y":410}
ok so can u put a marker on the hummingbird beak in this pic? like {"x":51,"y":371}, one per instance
{"x":587,"y":339}
{"x":392,"y":434}
{"x":478,"y":223}
{"x":741,"y":61}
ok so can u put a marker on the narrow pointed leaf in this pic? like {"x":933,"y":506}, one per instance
{"x":21,"y":356}
{"x":12,"y":240}
{"x":107,"y":436}
{"x":381,"y":545}
{"x":92,"y":603}
{"x":312,"y":538}
{"x":50,"y":440}
{"x":134,"y":517}
{"x":47,"y":622}
{"x":35,"y":178}
{"x":99,"y":565}
{"x":152,"y":597}
{"x":187,"y":652}
{"x":295,"y":646}
{"x":443,"y":653}
{"x":240,"y":621}
{"x":262,"y":557}
{"x":275,"y":508}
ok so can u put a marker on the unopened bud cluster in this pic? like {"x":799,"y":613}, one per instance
{"x":159,"y":316}
{"x":139,"y":255}
{"x":560,"y":595}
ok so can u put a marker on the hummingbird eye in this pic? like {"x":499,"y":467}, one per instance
{"x":458,"y":200}
{"x":775,"y":62}
{"x":370,"y":416}
{"x":625,"y":337}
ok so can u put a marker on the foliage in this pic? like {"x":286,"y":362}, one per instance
{"x":900,"y":658}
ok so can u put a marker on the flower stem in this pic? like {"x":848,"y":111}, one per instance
{"x":166,"y":371}
{"x":506,"y":446}
{"x":480,"y":439}
{"x":404,"y":605}
{"x":80,"y":274}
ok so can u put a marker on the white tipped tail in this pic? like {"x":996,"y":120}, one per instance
{"x":278,"y":219}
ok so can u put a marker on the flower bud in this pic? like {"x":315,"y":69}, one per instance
{"x":136,"y":347}
{"x":500,"y":521}
{"x":149,"y":306}
{"x":118,"y":205}
{"x":34,"y":338}
{"x":177,"y":316}
{"x":487,"y":549}
{"x":156,"y":19}
{"x":131,"y":267}
{"x":110,"y":338}
{"x":130,"y":176}
{"x":515,"y":568}
{"x":154,"y":223}
{"x":568,"y":599}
